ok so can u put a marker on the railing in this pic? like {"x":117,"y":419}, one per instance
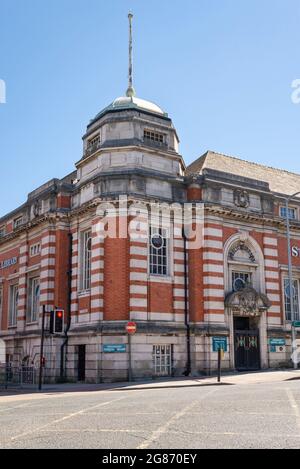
{"x":92,"y":149}
{"x":17,"y":376}
{"x":154,"y":143}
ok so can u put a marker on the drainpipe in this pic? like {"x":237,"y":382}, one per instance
{"x":65,"y":342}
{"x":186,"y":313}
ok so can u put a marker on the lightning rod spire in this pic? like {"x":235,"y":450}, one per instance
{"x":130,"y":91}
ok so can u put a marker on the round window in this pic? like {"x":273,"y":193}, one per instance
{"x":157,"y":241}
{"x":239,"y":284}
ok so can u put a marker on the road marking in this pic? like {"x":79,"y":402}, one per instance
{"x":63,"y":419}
{"x":15,"y":407}
{"x":164,"y":428}
{"x":294,"y":405}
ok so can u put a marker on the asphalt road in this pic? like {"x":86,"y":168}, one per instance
{"x":265,"y":415}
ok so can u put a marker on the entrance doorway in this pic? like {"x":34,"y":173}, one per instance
{"x":81,"y":362}
{"x":246,"y":344}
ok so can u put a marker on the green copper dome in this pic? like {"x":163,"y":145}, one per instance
{"x":131,"y":102}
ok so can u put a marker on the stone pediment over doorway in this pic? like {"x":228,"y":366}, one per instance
{"x":247,"y":302}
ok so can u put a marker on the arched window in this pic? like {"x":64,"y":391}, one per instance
{"x":244,"y":264}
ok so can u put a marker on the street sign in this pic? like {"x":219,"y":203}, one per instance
{"x":277,"y":342}
{"x":114,"y":348}
{"x":131,"y":328}
{"x":219,"y":343}
{"x":296,"y":323}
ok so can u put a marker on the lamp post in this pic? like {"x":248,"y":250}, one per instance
{"x":290,"y":267}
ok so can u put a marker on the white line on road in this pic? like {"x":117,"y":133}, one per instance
{"x":15,"y":407}
{"x":63,"y":419}
{"x":164,"y":428}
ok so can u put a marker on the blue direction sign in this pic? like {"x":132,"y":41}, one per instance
{"x":219,"y":343}
{"x":114,"y":348}
{"x":277,"y":342}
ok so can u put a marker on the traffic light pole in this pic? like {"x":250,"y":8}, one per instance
{"x":42,"y":348}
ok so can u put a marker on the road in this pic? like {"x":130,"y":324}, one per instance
{"x":243,"y":415}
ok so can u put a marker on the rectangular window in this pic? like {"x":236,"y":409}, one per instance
{"x":18,"y":222}
{"x":86,"y":251}
{"x":13,"y":305}
{"x":159,"y":251}
{"x":240,"y":280}
{"x":35,"y":249}
{"x":292,"y":213}
{"x":152,"y":136}
{"x":2,"y":231}
{"x":162,"y":360}
{"x":93,"y":144}
{"x":33,"y":300}
{"x":287,"y":299}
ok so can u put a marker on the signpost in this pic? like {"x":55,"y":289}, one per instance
{"x":296,"y":324}
{"x":131,"y":330}
{"x":219,"y":345}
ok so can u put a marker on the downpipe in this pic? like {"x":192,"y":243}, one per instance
{"x":66,"y":339}
{"x":188,"y":370}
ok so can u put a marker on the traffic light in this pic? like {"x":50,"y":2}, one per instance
{"x":57,"y":321}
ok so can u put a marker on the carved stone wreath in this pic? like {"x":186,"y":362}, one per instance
{"x":247,"y":302}
{"x":241,"y":198}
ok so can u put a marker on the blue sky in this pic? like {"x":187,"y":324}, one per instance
{"x":222,"y":69}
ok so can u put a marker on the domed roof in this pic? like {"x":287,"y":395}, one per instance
{"x":131,"y":102}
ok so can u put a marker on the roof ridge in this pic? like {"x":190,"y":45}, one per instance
{"x":253,"y":163}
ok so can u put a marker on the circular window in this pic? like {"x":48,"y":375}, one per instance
{"x":239,"y":284}
{"x":287,"y":291}
{"x":157,"y":241}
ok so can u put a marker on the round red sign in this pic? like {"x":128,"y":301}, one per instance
{"x":131,"y":328}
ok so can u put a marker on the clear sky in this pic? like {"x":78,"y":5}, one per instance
{"x":222,"y":69}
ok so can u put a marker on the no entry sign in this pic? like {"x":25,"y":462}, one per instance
{"x":131,"y":328}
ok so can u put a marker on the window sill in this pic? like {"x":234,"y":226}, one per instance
{"x":160,"y":278}
{"x":84,"y":293}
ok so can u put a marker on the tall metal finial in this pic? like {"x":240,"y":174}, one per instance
{"x":130,"y":91}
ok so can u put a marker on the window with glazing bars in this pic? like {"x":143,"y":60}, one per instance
{"x":33,"y":300}
{"x":162,"y":360}
{"x":159,"y":247}
{"x":13,"y":305}
{"x":154,"y":136}
{"x":86,"y":246}
{"x":240,"y":280}
{"x":287,"y":299}
{"x":292,"y":213}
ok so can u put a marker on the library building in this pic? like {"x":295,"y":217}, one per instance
{"x":229,"y":286}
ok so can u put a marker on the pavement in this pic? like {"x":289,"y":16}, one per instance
{"x":256,"y":410}
{"x":229,"y":378}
